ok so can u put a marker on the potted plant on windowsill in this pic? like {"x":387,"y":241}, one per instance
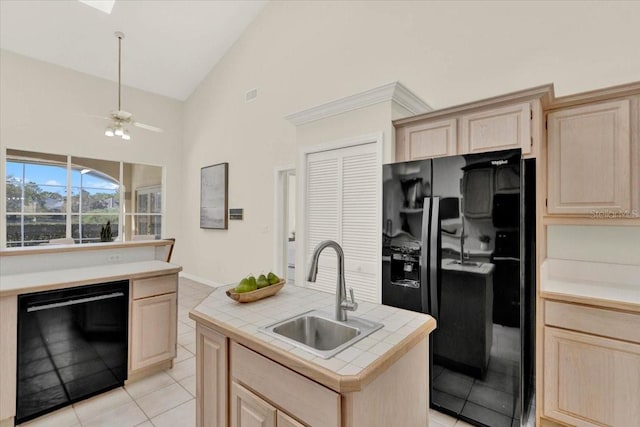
{"x":105,"y":233}
{"x":484,"y":242}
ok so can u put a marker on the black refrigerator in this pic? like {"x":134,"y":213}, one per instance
{"x":459,"y":244}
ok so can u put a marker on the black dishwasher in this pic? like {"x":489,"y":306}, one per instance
{"x":72,"y":344}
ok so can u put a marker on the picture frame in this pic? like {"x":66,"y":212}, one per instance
{"x":214,"y":182}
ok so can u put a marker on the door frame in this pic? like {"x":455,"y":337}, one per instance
{"x":281,"y":217}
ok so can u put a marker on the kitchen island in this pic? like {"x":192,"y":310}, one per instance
{"x":246,"y":376}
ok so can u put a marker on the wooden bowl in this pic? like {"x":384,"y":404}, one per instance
{"x":258,"y":294}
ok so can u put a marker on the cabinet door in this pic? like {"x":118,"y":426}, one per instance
{"x":477,"y":193}
{"x":153,"y":330}
{"x":248,"y":410}
{"x":497,"y":129}
{"x":589,"y":159}
{"x":428,"y":140}
{"x":591,"y":381}
{"x":284,"y":420}
{"x":211,"y":378}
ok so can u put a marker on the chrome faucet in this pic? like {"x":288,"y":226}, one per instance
{"x":342,"y":303}
{"x":462,"y":241}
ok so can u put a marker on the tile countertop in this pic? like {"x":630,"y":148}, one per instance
{"x":607,"y":285}
{"x":348,"y":370}
{"x":15,"y":284}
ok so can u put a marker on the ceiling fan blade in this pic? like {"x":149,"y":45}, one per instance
{"x":148,"y":127}
{"x":96,"y":116}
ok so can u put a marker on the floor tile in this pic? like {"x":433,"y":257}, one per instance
{"x":189,"y":384}
{"x":148,"y":385}
{"x":145,"y":424}
{"x":448,"y":401}
{"x":485,"y":416}
{"x":453,"y":383}
{"x":493,"y":399}
{"x":127,"y":415}
{"x":93,"y":407}
{"x":182,"y":354}
{"x":499,"y":381}
{"x":61,"y":417}
{"x":183,"y":415}
{"x":443,"y":419}
{"x":163,"y":399}
{"x":183,"y":369}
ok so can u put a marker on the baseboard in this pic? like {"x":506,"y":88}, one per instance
{"x":201,"y":280}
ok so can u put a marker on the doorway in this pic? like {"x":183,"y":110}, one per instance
{"x":285,"y":218}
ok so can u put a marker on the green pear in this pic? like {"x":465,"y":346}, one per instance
{"x":245,"y":286}
{"x":253,"y":282}
{"x":272,"y":278}
{"x":262,"y":281}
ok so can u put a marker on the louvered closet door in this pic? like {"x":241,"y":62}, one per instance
{"x":342,"y":201}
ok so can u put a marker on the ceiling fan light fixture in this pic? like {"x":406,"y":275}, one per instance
{"x":125,"y":135}
{"x":109,"y":131}
{"x":118,"y":131}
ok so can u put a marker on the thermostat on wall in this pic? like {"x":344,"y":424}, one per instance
{"x":235,"y":213}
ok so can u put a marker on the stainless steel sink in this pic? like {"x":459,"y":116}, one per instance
{"x":320,"y":334}
{"x":465,"y":263}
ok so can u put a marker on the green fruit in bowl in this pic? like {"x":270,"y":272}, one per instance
{"x":246,"y":285}
{"x":253,"y":282}
{"x":272,"y":278}
{"x":262,"y":281}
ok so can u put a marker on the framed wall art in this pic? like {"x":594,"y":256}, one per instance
{"x":213,"y":196}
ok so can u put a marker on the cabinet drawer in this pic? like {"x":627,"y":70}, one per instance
{"x":306,"y":400}
{"x":143,"y":288}
{"x":609,"y":323}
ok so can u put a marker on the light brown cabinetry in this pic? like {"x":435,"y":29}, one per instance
{"x":497,"y":129}
{"x":591,"y":365}
{"x":153,"y":324}
{"x":512,"y":121}
{"x":589,"y":159}
{"x":429,"y":140}
{"x":248,"y":410}
{"x":211,"y":378}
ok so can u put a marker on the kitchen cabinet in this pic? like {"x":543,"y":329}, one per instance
{"x":248,"y":410}
{"x":590,"y":159}
{"x":429,"y":140}
{"x":283,"y":420}
{"x":591,"y":365}
{"x":477,"y":192}
{"x":153,"y":326}
{"x":211,"y":378}
{"x":511,"y":121}
{"x":497,"y":129}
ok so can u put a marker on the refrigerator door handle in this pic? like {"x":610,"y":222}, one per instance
{"x":424,"y":255}
{"x":434,"y":229}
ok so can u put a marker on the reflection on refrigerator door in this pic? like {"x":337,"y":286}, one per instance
{"x":467,"y":236}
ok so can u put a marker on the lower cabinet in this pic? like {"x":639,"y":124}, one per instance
{"x":590,"y":380}
{"x":211,"y":378}
{"x":249,"y":410}
{"x":153,"y":322}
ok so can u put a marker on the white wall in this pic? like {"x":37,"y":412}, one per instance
{"x":44,"y":107}
{"x":301,"y":54}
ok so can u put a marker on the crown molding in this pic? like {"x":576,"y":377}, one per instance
{"x":394,"y":91}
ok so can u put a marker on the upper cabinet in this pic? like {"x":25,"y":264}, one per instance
{"x":497,"y":129}
{"x":505,"y":122}
{"x":429,"y":140}
{"x":590,"y":159}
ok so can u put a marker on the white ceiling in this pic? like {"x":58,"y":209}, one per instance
{"x":169,"y":45}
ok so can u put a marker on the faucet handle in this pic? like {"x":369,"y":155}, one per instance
{"x":350,"y":305}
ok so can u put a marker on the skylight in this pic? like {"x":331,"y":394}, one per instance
{"x":105,"y":6}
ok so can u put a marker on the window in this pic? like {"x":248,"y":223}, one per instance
{"x":36,"y":203}
{"x":53,"y":196}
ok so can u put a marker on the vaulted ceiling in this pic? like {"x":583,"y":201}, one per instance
{"x":168,"y":49}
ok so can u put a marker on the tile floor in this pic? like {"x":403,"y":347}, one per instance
{"x":166,"y":398}
{"x":490,"y":400}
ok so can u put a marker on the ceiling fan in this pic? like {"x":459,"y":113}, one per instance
{"x":120,"y":118}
